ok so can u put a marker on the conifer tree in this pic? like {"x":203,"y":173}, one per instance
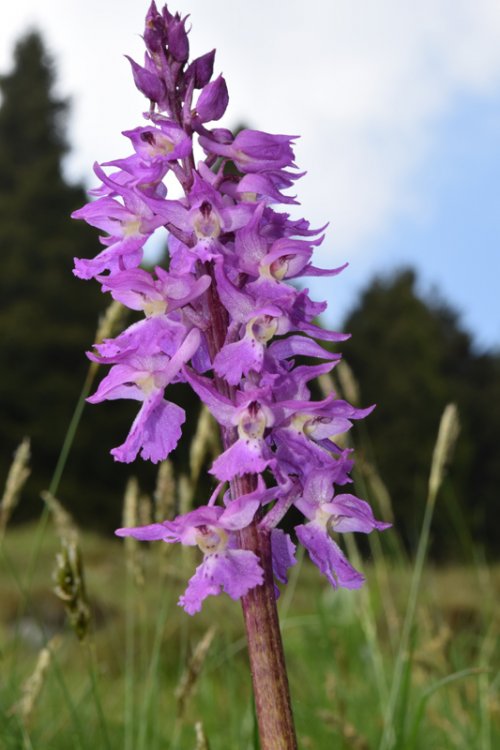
{"x":47,"y":318}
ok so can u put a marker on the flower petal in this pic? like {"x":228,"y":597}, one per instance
{"x":235,"y":572}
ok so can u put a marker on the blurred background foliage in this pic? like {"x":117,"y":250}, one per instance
{"x":408,"y":352}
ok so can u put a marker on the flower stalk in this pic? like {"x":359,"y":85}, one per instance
{"x":265,"y":650}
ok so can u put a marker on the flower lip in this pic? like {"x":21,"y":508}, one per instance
{"x":206,"y":222}
{"x":253,"y":421}
{"x":205,"y":209}
{"x":262,"y":328}
{"x":158,"y":142}
{"x":279,"y":267}
{"x":211,"y":539}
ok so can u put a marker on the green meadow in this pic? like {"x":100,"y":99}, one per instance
{"x":409,"y":662}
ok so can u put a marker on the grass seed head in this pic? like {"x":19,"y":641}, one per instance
{"x":164,"y":495}
{"x":201,"y":737}
{"x":33,"y":685}
{"x":66,"y":527}
{"x":70,"y":587}
{"x":110,"y":321}
{"x":204,"y":443}
{"x":449,"y":428}
{"x":16,"y":478}
{"x":132,"y":517}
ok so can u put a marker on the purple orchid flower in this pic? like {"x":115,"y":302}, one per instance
{"x":165,"y":143}
{"x":139,"y":291}
{"x":226,"y":316}
{"x":142,"y":374}
{"x":254,"y":151}
{"x":213,"y":529}
{"x":339,"y":514}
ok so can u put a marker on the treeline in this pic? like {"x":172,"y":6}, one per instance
{"x":411,"y":357}
{"x":409,"y":354}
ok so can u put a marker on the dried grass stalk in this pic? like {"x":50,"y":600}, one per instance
{"x":164,"y":495}
{"x":201,"y":737}
{"x":110,"y":321}
{"x":185,"y":489}
{"x":449,"y":429}
{"x":205,"y":441}
{"x":145,"y":510}
{"x":130,"y":512}
{"x":325,"y":383}
{"x":16,"y":478}
{"x":131,"y":517}
{"x":348,"y":383}
{"x":378,"y":488}
{"x":66,"y":527}
{"x":33,"y":685}
{"x":189,"y":678}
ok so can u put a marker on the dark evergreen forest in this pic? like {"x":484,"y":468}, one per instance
{"x":48,"y":318}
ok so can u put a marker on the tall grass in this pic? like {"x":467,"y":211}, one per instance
{"x":411,"y":661}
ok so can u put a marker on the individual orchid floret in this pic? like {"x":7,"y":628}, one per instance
{"x":266,"y":186}
{"x":214,"y":530}
{"x":210,"y":215}
{"x":177,"y":38}
{"x":125,"y":241}
{"x":320,"y":420}
{"x":254,"y":151}
{"x":168,"y":142}
{"x":200,"y":71}
{"x":133,"y":172}
{"x":327,"y":555}
{"x":201,"y":226}
{"x":340,"y":514}
{"x":142,"y":375}
{"x":237,"y":359}
{"x":138,"y":290}
{"x":147,"y":81}
{"x":129,"y":226}
{"x":249,"y":453}
{"x":212,"y":102}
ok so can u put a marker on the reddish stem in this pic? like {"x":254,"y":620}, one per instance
{"x":265,"y":646}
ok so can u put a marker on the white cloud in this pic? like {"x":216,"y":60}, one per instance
{"x":363,"y":82}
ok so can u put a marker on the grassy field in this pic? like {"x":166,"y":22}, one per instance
{"x":409,"y":662}
{"x":140,"y":680}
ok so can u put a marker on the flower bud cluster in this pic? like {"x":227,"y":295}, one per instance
{"x":226,"y":318}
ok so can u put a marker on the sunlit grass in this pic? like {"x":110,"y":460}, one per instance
{"x":409,"y":662}
{"x":452,"y":681}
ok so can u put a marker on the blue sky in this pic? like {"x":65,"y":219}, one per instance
{"x":397,"y":104}
{"x":462,"y":230}
{"x":453,"y":240}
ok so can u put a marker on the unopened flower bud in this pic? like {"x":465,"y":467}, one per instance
{"x":178,"y":43}
{"x":201,"y":69}
{"x":147,"y":82}
{"x":212,"y":101}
